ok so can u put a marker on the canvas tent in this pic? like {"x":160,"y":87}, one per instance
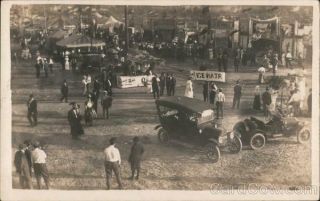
{"x":77,"y":41}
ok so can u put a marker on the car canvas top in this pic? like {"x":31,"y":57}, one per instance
{"x":184,"y":103}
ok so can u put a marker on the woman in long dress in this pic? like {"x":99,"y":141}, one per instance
{"x":189,"y":89}
{"x":261,"y":71}
{"x":257,"y":98}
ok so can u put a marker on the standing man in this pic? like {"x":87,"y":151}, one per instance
{"x":162,"y":83}
{"x":205,"y":91}
{"x":22,"y":167}
{"x":155,"y":87}
{"x":274,"y":62}
{"x":219,"y":59}
{"x":39,"y":165}
{"x":237,"y":58}
{"x":106,"y":103}
{"x":135,"y":157}
{"x":112,"y":162}
{"x":237,"y":95}
{"x":288,"y":59}
{"x":96,"y":93}
{"x":51,"y":64}
{"x":219,"y":102}
{"x":74,"y":119}
{"x":225,"y":60}
{"x":32,"y":111}
{"x":64,"y":91}
{"x":45,"y":67}
{"x":168,"y":84}
{"x":309,"y":102}
{"x":173,"y":82}
{"x":38,"y":66}
{"x":266,"y":101}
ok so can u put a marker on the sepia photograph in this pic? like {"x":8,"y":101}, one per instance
{"x":182,"y":98}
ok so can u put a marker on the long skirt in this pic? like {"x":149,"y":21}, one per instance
{"x":256,"y":102}
{"x":261,"y":78}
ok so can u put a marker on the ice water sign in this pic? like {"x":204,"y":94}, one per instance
{"x":208,"y":76}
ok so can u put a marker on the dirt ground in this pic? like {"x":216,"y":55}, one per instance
{"x":281,"y":164}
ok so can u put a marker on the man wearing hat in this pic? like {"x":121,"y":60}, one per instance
{"x":74,"y":119}
{"x":106,"y":103}
{"x":32,"y":110}
{"x":64,"y":91}
{"x":112,"y":162}
{"x":39,"y":165}
{"x":22,"y":167}
{"x":237,"y":95}
{"x":266,"y":101}
{"x":135,"y":156}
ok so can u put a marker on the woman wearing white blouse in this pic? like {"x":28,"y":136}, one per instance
{"x":189,"y":89}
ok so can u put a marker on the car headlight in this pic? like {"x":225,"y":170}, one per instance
{"x":231,"y":135}
{"x":220,"y":140}
{"x":200,"y":131}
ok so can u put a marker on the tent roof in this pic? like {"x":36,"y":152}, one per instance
{"x":113,"y":21}
{"x":75,"y":40}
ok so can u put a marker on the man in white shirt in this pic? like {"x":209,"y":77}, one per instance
{"x":288,"y":59}
{"x":39,"y":165}
{"x":295,"y":102}
{"x":112,"y":162}
{"x":220,"y":100}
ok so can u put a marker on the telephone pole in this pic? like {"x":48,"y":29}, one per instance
{"x":126,"y":27}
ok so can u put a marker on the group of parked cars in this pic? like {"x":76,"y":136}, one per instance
{"x":193,"y":121}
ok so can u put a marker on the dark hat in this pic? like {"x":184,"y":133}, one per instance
{"x":22,"y":146}
{"x":36,"y":144}
{"x":27,"y":142}
{"x":112,"y":140}
{"x":136,"y":139}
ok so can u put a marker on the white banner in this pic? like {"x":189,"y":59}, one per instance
{"x":208,"y":76}
{"x":131,"y":81}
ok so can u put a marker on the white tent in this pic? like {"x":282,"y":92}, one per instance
{"x":113,"y":22}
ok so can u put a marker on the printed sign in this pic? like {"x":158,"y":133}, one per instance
{"x":131,"y":81}
{"x":208,"y":76}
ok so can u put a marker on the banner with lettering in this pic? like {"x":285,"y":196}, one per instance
{"x":208,"y":76}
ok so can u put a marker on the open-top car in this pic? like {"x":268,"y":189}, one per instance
{"x":192,"y":120}
{"x":254,"y":132}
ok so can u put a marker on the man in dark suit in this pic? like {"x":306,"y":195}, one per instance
{"x":168,"y":84}
{"x":32,"y":110}
{"x":155,"y":87}
{"x":266,"y":101}
{"x":237,"y":95}
{"x":64,"y":91}
{"x":96,"y":93}
{"x":162,"y":83}
{"x":106,"y":103}
{"x":23,"y":168}
{"x":38,"y":67}
{"x":173,"y":82}
{"x":28,"y":151}
{"x":135,"y":157}
{"x":74,"y":119}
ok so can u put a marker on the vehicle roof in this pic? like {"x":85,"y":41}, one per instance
{"x":184,"y":103}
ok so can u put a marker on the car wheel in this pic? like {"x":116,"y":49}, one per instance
{"x":235,"y":145}
{"x":212,"y":152}
{"x":303,"y":136}
{"x":163,"y":136}
{"x":257,"y":141}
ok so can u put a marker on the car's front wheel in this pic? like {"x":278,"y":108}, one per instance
{"x":303,"y":136}
{"x":257,"y":141}
{"x":235,"y":145}
{"x":212,"y":152}
{"x":163,"y":136}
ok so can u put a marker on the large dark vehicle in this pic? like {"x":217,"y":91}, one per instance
{"x":255,"y":132}
{"x":192,"y":120}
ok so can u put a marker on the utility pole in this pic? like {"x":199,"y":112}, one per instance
{"x":126,"y":28}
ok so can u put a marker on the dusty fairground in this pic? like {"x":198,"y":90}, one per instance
{"x":282,"y":163}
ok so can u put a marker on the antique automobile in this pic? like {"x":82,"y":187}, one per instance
{"x":191,"y":120}
{"x":255,"y":132}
